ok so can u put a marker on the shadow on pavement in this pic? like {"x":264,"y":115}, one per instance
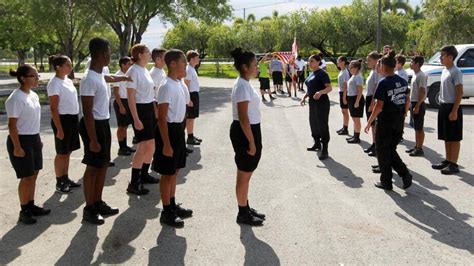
{"x":192,"y":164}
{"x":121,"y":163}
{"x":211,"y":99}
{"x":257,"y":252}
{"x":342,"y":173}
{"x":435,"y":216}
{"x":170,"y":248}
{"x":82,"y":247}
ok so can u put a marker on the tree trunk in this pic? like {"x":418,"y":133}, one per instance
{"x":21,"y":55}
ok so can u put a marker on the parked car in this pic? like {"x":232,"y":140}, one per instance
{"x":433,"y":68}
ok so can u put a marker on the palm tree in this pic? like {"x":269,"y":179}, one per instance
{"x":251,"y":18}
{"x":396,"y":5}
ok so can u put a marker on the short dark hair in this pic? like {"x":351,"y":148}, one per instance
{"x":124,"y":60}
{"x":21,"y":71}
{"x":173,"y":55}
{"x":157,"y":52}
{"x":242,"y":57}
{"x":343,"y":59}
{"x":388,"y":59}
{"x":374,"y":55}
{"x":316,"y":57}
{"x":418,"y":59}
{"x":98,"y":46}
{"x":450,"y":50}
{"x":191,"y":54}
{"x":400,"y":59}
{"x":58,"y":60}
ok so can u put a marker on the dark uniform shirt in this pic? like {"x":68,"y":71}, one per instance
{"x":317,"y":81}
{"x":393,"y":91}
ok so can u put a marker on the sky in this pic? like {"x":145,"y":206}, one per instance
{"x":153,"y":37}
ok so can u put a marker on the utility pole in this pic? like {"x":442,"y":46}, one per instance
{"x":379,"y":25}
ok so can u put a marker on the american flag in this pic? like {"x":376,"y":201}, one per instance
{"x":285,"y":57}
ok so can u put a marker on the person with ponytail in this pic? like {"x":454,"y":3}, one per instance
{"x":391,"y":103}
{"x":342,"y":80}
{"x":141,"y":98}
{"x":371,"y":85}
{"x":245,"y":133}
{"x":24,"y":144}
{"x":319,"y":85}
{"x":64,"y":120}
{"x":355,"y":86}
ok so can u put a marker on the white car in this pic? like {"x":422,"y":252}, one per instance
{"x":433,"y":68}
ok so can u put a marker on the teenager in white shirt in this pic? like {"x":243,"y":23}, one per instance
{"x":192,"y":82}
{"x":355,"y":86}
{"x":64,"y":120}
{"x":371,"y":85}
{"x":24,"y":144}
{"x":300,"y":64}
{"x":245,"y":133}
{"x":342,"y":79}
{"x":94,"y":129}
{"x":399,"y":70}
{"x":157,"y":72}
{"x":170,"y":155}
{"x":141,"y":98}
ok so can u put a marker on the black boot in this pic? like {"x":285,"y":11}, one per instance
{"x":324,"y":153}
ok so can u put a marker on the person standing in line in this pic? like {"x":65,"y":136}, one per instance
{"x":291,"y":76}
{"x":355,"y":96}
{"x":450,"y":116}
{"x":141,"y":98}
{"x":170,"y":155}
{"x":24,"y":144}
{"x":418,"y":109}
{"x":64,"y":120}
{"x":264,"y":78}
{"x":391,"y":98}
{"x":276,"y":67}
{"x":319,"y":85}
{"x":94,"y":129}
{"x":121,"y":108}
{"x":371,"y":85}
{"x":342,"y":80}
{"x":399,"y":70}
{"x":192,"y":83}
{"x":245,"y":133}
{"x":300,"y":68}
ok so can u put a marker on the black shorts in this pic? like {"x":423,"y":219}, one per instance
{"x":277,"y":78}
{"x":165,"y":165}
{"x":418,"y":119}
{"x":341,"y":102}
{"x":368,"y":102}
{"x":99,"y":159}
{"x":70,"y":142}
{"x":243,"y":160}
{"x":146,"y":114}
{"x":359,"y":111}
{"x":288,"y":78}
{"x":449,"y":130}
{"x":32,"y":161}
{"x":123,"y":120}
{"x":264,"y":83}
{"x":300,"y":75}
{"x":193,"y":112}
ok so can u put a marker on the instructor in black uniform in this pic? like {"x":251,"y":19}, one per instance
{"x":390,"y":108}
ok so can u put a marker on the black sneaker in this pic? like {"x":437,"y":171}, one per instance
{"x":375,"y":166}
{"x":38,"y":211}
{"x":91,"y":215}
{"x":340,"y":130}
{"x":26,"y":217}
{"x":323,"y":156}
{"x":410,"y":150}
{"x":417,"y":152}
{"x":315,"y":147}
{"x":63,"y":187}
{"x":148,"y":179}
{"x":369,"y":149}
{"x":450,"y":169}
{"x":349,"y":138}
{"x":384,"y":187}
{"x":440,"y":165}
{"x":182,"y":212}
{"x":376,"y":170}
{"x":197,"y":139}
{"x":344,"y":132}
{"x":372,"y":153}
{"x":105,"y":210}
{"x":407,"y":180}
{"x":249,"y":219}
{"x":192,"y":141}
{"x":124,"y":152}
{"x":72,"y":184}
{"x":171,"y":219}
{"x":257,"y":214}
{"x":189,"y":150}
{"x":130,"y":149}
{"x":137,"y":189}
{"x":353,"y":141}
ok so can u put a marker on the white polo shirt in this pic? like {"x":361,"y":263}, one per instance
{"x":172,"y":92}
{"x":64,"y":88}
{"x":243,"y":91}
{"x":192,"y":76}
{"x":122,"y":85}
{"x":27,"y":109}
{"x":93,"y":84}
{"x":142,"y":83}
{"x":158,"y":75}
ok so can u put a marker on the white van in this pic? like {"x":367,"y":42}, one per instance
{"x":433,"y":68}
